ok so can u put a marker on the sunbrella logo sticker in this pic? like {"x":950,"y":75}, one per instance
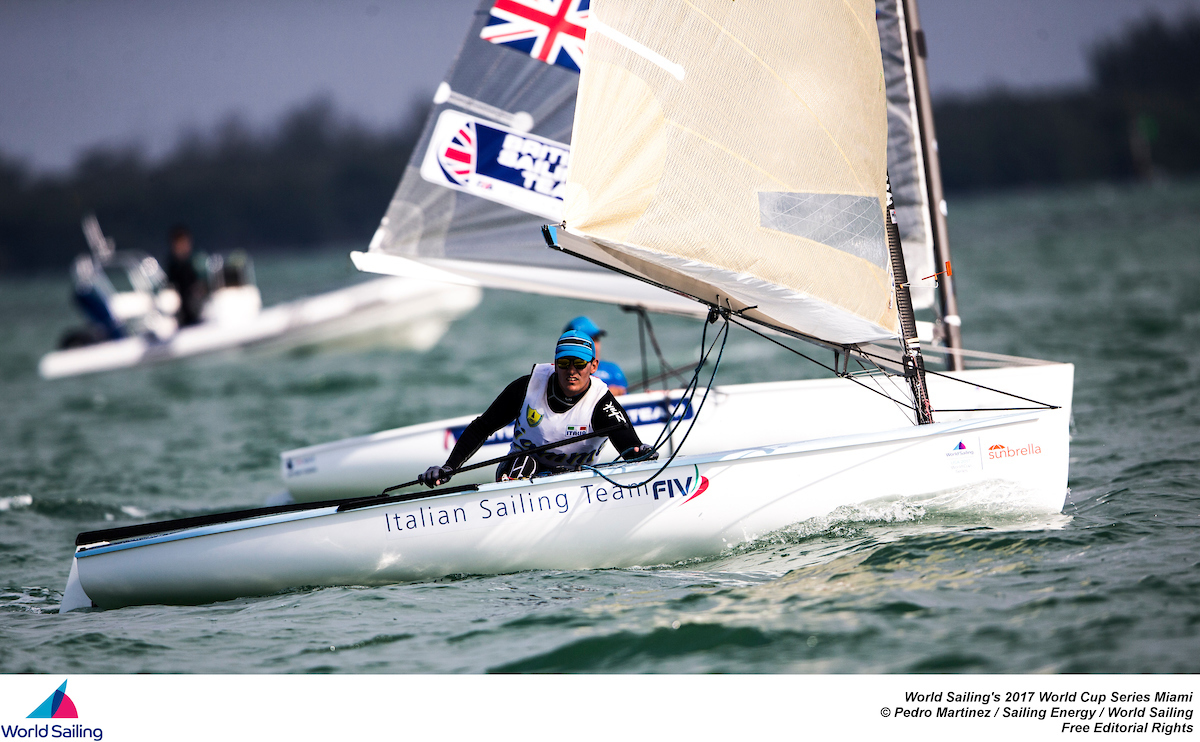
{"x":1000,"y":451}
{"x":58,"y":706}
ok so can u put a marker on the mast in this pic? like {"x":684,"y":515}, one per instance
{"x":947,"y":302}
{"x":914,"y":363}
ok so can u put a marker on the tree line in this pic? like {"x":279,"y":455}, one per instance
{"x":1139,"y":117}
{"x":318,"y":178}
{"x":314,"y":179}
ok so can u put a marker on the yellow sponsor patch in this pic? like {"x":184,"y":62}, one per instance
{"x":533,"y":417}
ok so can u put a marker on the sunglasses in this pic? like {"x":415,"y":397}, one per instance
{"x":577,"y":363}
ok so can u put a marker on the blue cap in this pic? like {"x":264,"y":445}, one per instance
{"x":586,"y":326}
{"x":575,"y":344}
{"x":611,"y":374}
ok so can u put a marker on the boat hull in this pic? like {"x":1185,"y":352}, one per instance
{"x":387,"y":311}
{"x":761,"y":414}
{"x":699,"y":506}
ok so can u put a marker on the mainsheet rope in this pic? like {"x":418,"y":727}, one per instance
{"x":688,"y":395}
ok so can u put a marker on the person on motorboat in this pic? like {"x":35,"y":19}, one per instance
{"x":607,"y":371}
{"x":184,"y":278}
{"x":92,"y":293}
{"x":555,"y":402}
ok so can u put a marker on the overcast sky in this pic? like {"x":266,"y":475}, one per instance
{"x":77,"y":73}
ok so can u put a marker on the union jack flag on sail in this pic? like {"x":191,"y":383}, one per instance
{"x":550,"y":30}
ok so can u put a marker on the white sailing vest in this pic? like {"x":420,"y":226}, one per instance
{"x":538,"y":425}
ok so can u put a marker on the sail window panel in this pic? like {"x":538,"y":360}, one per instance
{"x":716,"y":222}
{"x":852,"y":224}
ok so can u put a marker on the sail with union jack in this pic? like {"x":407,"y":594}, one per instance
{"x":521,"y":171}
{"x":552,"y":31}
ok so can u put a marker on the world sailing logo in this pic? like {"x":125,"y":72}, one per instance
{"x":961,"y":458}
{"x":57,"y":706}
{"x":960,"y":450}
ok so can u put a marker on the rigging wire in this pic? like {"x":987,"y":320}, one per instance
{"x":900,"y":393}
{"x":646,"y":328}
{"x":1041,"y":405}
{"x":845,"y":349}
{"x":689,"y":393}
{"x":858,"y":351}
{"x":675,"y":417}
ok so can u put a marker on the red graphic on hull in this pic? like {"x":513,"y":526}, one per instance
{"x":699,"y":489}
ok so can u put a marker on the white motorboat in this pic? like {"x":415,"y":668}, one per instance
{"x":395,"y":313}
{"x":127,"y":290}
{"x":736,"y":156}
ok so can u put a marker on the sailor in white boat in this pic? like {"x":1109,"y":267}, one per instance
{"x":556,"y":401}
{"x":607,"y":371}
{"x":184,"y":278}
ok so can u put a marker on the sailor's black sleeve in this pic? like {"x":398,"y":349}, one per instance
{"x":609,"y":412}
{"x":503,"y":410}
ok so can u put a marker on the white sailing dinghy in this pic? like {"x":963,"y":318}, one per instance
{"x":487,"y":172}
{"x":735,"y":155}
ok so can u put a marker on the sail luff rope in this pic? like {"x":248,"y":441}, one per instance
{"x":686,"y":396}
{"x":874,"y":375}
{"x":914,"y":364}
{"x":723,"y":334}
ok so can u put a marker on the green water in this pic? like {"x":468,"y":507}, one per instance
{"x":1102,"y":277}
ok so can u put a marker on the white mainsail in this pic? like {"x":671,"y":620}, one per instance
{"x":739,"y":155}
{"x":490,"y":167}
{"x":461,"y":228}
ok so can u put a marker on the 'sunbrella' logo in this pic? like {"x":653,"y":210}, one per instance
{"x":1001,"y":451}
{"x":58,"y":706}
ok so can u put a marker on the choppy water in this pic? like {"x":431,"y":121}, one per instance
{"x":1105,"y":278}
